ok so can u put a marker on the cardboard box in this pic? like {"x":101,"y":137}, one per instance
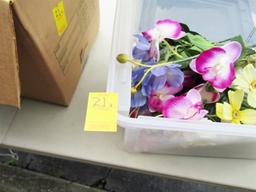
{"x":42,"y":48}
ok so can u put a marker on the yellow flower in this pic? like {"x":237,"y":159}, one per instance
{"x":246,"y":80}
{"x":231,"y":112}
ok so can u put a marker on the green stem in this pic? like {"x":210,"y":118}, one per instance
{"x":139,"y":64}
{"x":172,"y":50}
{"x":142,"y":79}
{"x":212,"y":116}
{"x":162,"y":65}
{"x":187,"y":43}
{"x":177,"y":47}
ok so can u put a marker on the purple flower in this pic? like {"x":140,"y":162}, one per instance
{"x":138,"y":100}
{"x":170,"y":74}
{"x":154,"y":81}
{"x":137,"y":74}
{"x":159,"y":76}
{"x":145,"y":51}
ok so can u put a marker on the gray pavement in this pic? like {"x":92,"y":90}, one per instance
{"x":14,"y":179}
{"x":48,"y":173}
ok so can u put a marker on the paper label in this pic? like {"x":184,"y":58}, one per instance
{"x":60,"y":18}
{"x":102,"y":112}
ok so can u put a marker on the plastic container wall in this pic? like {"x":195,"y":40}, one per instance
{"x":215,"y":19}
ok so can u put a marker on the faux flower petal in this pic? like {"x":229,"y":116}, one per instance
{"x":154,"y":104}
{"x":150,"y":34}
{"x":193,"y":66}
{"x":200,"y":115}
{"x":158,"y":98}
{"x":241,"y":83}
{"x":154,"y":51}
{"x":248,"y":116}
{"x":164,"y":29}
{"x":171,"y":90}
{"x":148,"y":79}
{"x":159,"y":71}
{"x":208,"y":59}
{"x":176,"y":108}
{"x":137,"y":75}
{"x":175,"y":77}
{"x":224,"y":111}
{"x":224,"y":78}
{"x":139,"y":54}
{"x":219,"y":110}
{"x":146,"y":90}
{"x":194,"y":96}
{"x":236,"y":99}
{"x":159,"y":82}
{"x":249,"y":73}
{"x":143,"y":49}
{"x":138,"y":100}
{"x":184,"y":107}
{"x":233,"y":51}
{"x":251,"y":99}
{"x":170,"y":29}
{"x":142,"y":43}
{"x":227,"y":111}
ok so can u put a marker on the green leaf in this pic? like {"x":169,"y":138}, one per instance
{"x":183,"y":53}
{"x":167,"y":56}
{"x":237,"y":38}
{"x":194,"y":48}
{"x":199,"y":42}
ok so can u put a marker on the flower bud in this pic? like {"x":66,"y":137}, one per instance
{"x":133,"y":90}
{"x":122,"y":58}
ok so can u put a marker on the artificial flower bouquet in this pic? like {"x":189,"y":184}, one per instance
{"x":179,"y":74}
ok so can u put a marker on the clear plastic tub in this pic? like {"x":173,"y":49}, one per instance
{"x":215,"y":19}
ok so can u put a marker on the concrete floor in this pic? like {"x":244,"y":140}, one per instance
{"x":52,"y":174}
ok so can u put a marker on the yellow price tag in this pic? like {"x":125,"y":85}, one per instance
{"x":60,"y":18}
{"x":101,"y":113}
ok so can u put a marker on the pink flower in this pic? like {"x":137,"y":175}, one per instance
{"x":159,"y":97}
{"x":216,"y":65}
{"x":164,"y":29}
{"x":189,"y":107}
{"x":208,"y":96}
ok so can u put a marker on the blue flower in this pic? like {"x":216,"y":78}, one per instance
{"x":170,"y":74}
{"x":155,"y":80}
{"x":160,"y":76}
{"x":145,"y":51}
{"x":138,"y":99}
{"x":137,"y":74}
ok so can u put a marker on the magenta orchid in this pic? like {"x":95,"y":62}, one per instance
{"x":165,"y":29}
{"x":189,"y":107}
{"x":158,"y":98}
{"x":217,"y":65}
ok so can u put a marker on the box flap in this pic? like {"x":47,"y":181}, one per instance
{"x":9,"y":69}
